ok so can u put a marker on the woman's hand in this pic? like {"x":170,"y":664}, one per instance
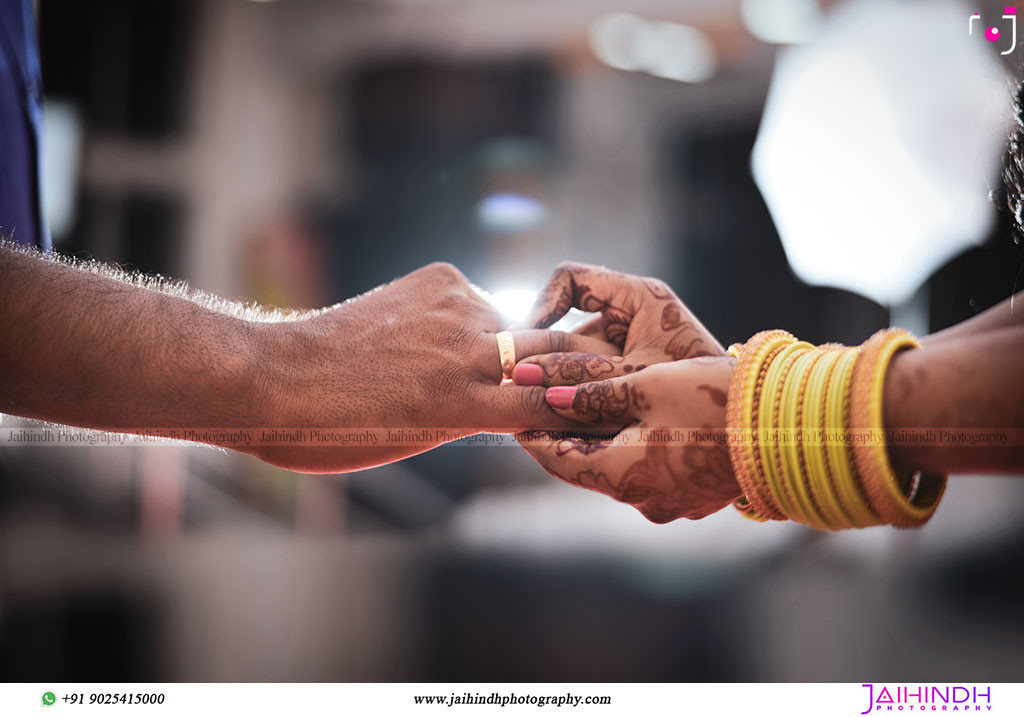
{"x":641,"y":315}
{"x":670,"y":461}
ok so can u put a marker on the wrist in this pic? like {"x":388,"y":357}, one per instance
{"x":728,"y":365}
{"x":897,"y":410}
{"x":275,"y":389}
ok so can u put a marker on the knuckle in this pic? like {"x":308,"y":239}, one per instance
{"x":560,"y":342}
{"x":459,"y":303}
{"x":531,"y":402}
{"x":445,"y":271}
{"x":459,"y":336}
{"x":448,"y":383}
{"x":657,"y":284}
{"x":484,"y":353}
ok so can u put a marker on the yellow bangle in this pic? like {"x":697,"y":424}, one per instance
{"x":747,"y":510}
{"x":817,"y":472}
{"x":741,"y":408}
{"x":767,"y":432}
{"x":886,"y":490}
{"x":840,"y":458}
{"x":807,"y":436}
{"x":790,"y":428}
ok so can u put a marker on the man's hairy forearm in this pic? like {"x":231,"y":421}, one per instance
{"x":87,"y":346}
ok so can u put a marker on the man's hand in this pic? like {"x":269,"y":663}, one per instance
{"x":640,"y":315}
{"x":417,"y":353}
{"x":91,"y":346}
{"x":670,"y":461}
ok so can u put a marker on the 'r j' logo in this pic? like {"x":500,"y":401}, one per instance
{"x":993,"y":33}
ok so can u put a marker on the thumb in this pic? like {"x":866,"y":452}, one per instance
{"x":615,"y":401}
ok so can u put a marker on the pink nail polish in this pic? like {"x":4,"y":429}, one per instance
{"x":560,"y":396}
{"x":528,"y":374}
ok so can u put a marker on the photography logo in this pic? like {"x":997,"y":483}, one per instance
{"x":993,"y":34}
{"x":884,"y":699}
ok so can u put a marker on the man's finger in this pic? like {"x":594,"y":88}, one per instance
{"x":512,"y":409}
{"x":571,"y":368}
{"x":532,"y":342}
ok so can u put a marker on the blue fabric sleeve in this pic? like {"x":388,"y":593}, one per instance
{"x":21,"y":215}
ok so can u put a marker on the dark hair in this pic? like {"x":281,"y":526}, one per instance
{"x":1013,"y":168}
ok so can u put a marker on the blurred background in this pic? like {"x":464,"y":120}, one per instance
{"x":823,"y":167}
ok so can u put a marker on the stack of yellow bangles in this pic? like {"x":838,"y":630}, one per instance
{"x":808,"y":440}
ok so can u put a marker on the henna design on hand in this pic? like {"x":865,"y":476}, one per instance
{"x":717,"y":395}
{"x":638,"y":399}
{"x":671,"y":317}
{"x":585,"y":446}
{"x":561,"y":307}
{"x":605,"y":401}
{"x":615,"y":319}
{"x":659,"y":289}
{"x":616,"y":325}
{"x":572,"y":368}
{"x":701,"y":485}
{"x":601,"y":401}
{"x":711,"y":477}
{"x":682,"y":345}
{"x":594,"y":480}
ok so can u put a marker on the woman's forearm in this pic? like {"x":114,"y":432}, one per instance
{"x":949,"y":405}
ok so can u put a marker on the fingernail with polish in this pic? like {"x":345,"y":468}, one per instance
{"x":560,"y":396}
{"x":528,"y":374}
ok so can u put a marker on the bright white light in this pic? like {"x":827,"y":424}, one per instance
{"x":663,"y":49}
{"x":514,"y":304}
{"x":613,"y":38}
{"x":510,"y":212}
{"x":571,"y":320}
{"x":62,"y":140}
{"x":783,"y":21}
{"x":875,"y":173}
{"x":677,"y":52}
